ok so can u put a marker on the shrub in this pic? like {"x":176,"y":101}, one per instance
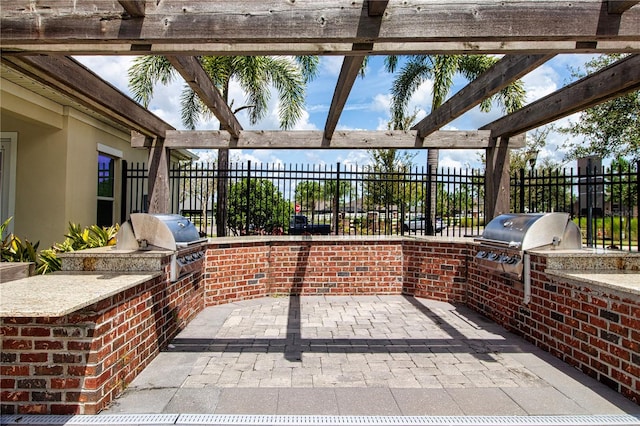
{"x":14,"y":249}
{"x":77,"y":238}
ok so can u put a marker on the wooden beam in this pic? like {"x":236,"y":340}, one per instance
{"x":620,"y":6}
{"x":299,"y":139}
{"x":351,"y":66}
{"x":83,"y":86}
{"x":497,"y":178}
{"x":198,"y":79}
{"x":159,"y":193}
{"x":499,"y":76}
{"x":376,"y":7}
{"x":616,"y":80}
{"x":135,"y":8}
{"x":327,"y":27}
{"x":326,"y":49}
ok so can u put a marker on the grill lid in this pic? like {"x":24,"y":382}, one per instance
{"x":526,"y":231}
{"x":167,"y":231}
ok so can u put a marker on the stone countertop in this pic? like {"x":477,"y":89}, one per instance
{"x":61,"y":293}
{"x":619,"y":280}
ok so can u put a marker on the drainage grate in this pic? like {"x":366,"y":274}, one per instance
{"x":260,"y":420}
{"x":591,"y":420}
{"x":124,"y":419}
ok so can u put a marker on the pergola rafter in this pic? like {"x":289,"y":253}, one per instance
{"x":616,"y":80}
{"x":503,"y":73}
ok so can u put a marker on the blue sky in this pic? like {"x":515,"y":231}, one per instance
{"x":366,"y":109}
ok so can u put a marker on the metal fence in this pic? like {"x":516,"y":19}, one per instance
{"x":353,"y":200}
{"x":602,"y":201}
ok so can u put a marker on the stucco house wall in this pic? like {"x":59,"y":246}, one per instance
{"x":57,"y":162}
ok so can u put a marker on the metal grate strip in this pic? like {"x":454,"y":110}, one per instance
{"x":275,"y":420}
{"x":586,"y":420}
{"x":124,"y":419}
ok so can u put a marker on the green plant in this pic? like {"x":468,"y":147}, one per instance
{"x":76,"y":239}
{"x":14,"y":249}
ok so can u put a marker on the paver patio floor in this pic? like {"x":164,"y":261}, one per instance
{"x":360,"y":355}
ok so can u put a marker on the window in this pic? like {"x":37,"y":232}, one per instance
{"x":106,"y":185}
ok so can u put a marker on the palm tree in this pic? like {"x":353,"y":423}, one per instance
{"x":442,"y":69}
{"x":256,"y":75}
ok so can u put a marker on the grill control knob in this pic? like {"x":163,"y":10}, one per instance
{"x":482,"y":254}
{"x":493,"y":256}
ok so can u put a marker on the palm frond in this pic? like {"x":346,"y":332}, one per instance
{"x":308,"y":66}
{"x":412,"y":75}
{"x":145,"y":72}
{"x":291,"y":91}
{"x":445,"y":68}
{"x":191,"y":108}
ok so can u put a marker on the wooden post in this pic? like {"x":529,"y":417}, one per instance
{"x":158,"y":178}
{"x":497,"y":178}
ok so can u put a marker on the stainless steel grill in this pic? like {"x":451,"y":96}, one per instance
{"x":173,"y":232}
{"x":507,"y":237}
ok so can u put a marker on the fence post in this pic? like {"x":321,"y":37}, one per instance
{"x":248,"y":200}
{"x":336,"y":201}
{"x":589,"y":205}
{"x":428,"y":224}
{"x":521,"y":198}
{"x":123,"y":192}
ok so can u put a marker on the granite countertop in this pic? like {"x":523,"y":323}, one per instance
{"x":61,"y":293}
{"x":621,"y":280}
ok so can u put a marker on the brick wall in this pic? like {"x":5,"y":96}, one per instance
{"x":244,"y":271}
{"x":593,"y":328}
{"x":239,"y":271}
{"x":78,"y":363}
{"x":436,"y":270}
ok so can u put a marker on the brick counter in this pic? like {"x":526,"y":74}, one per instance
{"x":594,"y":327}
{"x":79,"y":362}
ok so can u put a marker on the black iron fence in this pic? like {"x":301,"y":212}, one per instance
{"x":603,"y":201}
{"x":276,"y":199}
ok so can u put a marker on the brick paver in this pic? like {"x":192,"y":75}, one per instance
{"x":393,"y":342}
{"x":354,"y":355}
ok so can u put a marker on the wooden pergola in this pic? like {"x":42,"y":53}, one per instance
{"x":37,"y":37}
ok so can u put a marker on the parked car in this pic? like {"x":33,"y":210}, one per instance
{"x":300,"y":225}
{"x":419,"y":223}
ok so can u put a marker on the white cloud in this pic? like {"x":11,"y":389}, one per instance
{"x":353,"y":158}
{"x":421,"y":99}
{"x":113,"y":69}
{"x":541,"y":82}
{"x":331,"y":65}
{"x":459,"y":158}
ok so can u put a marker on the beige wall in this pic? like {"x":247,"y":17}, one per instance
{"x":57,"y":148}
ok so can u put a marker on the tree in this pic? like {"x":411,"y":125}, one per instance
{"x":385,"y":181}
{"x":307,"y":194}
{"x":442,"y":69}
{"x":255,"y":74}
{"x":256,"y":206}
{"x":607,"y":130}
